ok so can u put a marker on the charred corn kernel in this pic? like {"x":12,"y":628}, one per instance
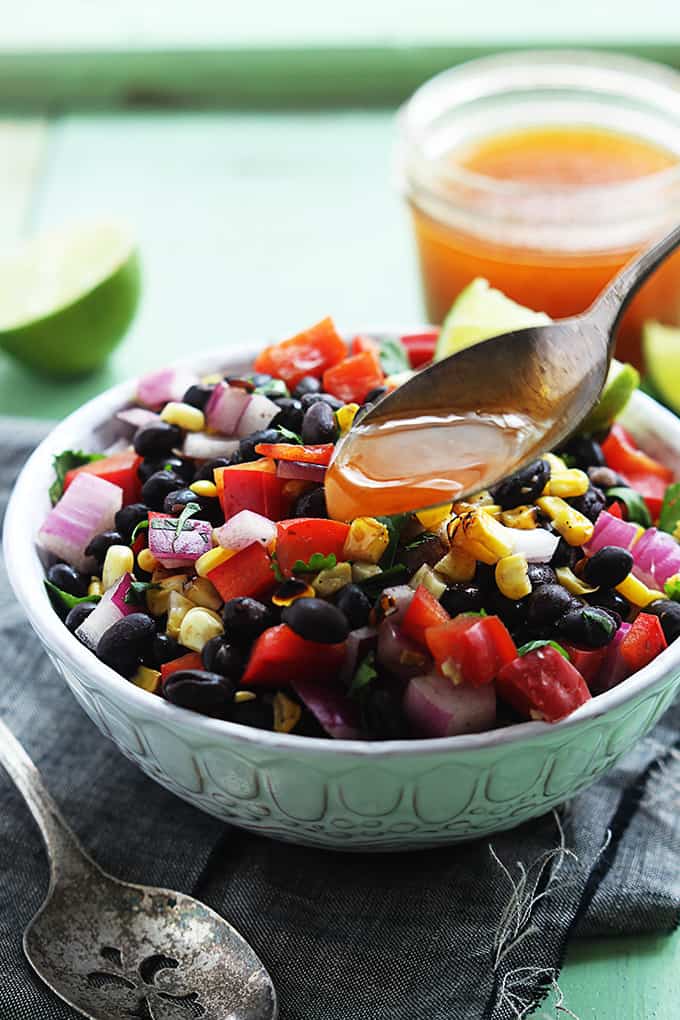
{"x":148,"y":679}
{"x":479,"y":535}
{"x":426,"y":576}
{"x":556,"y":463}
{"x":345,"y":416}
{"x":242,"y":696}
{"x":286,"y":713}
{"x":488,"y":508}
{"x":204,"y":488}
{"x":567,"y":484}
{"x":95,"y":587}
{"x":198,"y":626}
{"x":119,"y":560}
{"x":456,"y":566}
{"x":432,"y":518}
{"x":186,"y":417}
{"x":327,"y":582}
{"x":211,"y":559}
{"x":512,"y":576}
{"x":362,"y":571}
{"x":292,"y":590}
{"x":574,"y":527}
{"x":201,"y":592}
{"x":178,"y":607}
{"x":638,"y":593}
{"x":574,"y":584}
{"x":522,"y":517}
{"x":146,"y":561}
{"x":366,"y":540}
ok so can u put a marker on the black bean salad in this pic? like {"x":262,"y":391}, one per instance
{"x":197,"y":559}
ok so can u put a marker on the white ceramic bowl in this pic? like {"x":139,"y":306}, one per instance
{"x":342,"y":794}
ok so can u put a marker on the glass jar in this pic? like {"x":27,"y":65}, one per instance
{"x":547,"y":245}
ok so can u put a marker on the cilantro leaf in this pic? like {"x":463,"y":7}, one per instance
{"x":278,"y":574}
{"x":135,"y":595}
{"x":395,"y":525}
{"x":636,"y":508}
{"x":317,"y":562}
{"x":672,"y":587}
{"x":364,"y":675}
{"x":532,"y":646}
{"x":64,"y":600}
{"x":142,"y":526}
{"x":374,"y":585}
{"x":189,"y":510}
{"x":63,"y":463}
{"x":273,"y":388}
{"x":292,"y":437}
{"x":670,"y":510}
{"x":393,"y":356}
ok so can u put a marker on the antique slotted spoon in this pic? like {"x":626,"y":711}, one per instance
{"x":114,"y":950}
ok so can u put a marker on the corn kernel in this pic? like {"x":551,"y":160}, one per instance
{"x":146,"y":561}
{"x":119,"y":560}
{"x":178,"y":607}
{"x":480,"y":535}
{"x":367,"y":540}
{"x":95,"y":587}
{"x":520,"y":517}
{"x":186,"y":417}
{"x":573,"y":584}
{"x":567,"y":484}
{"x":327,"y":582}
{"x":345,"y":417}
{"x":204,"y":488}
{"x":426,"y":576}
{"x":432,"y":518}
{"x":212,"y":379}
{"x":638,"y":593}
{"x":362,"y":571}
{"x":488,"y":508}
{"x":512,"y":576}
{"x":574,"y":527}
{"x":211,"y":559}
{"x":198,"y":626}
{"x":676,"y":532}
{"x":241,"y":696}
{"x":201,"y":592}
{"x":556,"y":463}
{"x":158,"y":599}
{"x":456,"y":566}
{"x":286,"y":713}
{"x":148,"y":679}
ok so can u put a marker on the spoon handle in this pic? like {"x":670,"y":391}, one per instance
{"x":612,"y":303}
{"x":63,"y":850}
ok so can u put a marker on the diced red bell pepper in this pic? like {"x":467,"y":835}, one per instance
{"x":352,"y":379}
{"x":192,"y":660}
{"x":616,"y":510}
{"x":280,"y":656}
{"x":303,"y":536}
{"x":308,"y":353}
{"x":364,"y":343}
{"x":255,"y":487}
{"x":643,"y":642}
{"x":248,"y":572}
{"x":420,"y":347}
{"x":542,"y":685}
{"x":471,"y":649}
{"x":119,"y":469}
{"x":320,"y":454}
{"x":652,"y":488}
{"x":588,"y":661}
{"x":424,"y":611}
{"x":622,"y":455}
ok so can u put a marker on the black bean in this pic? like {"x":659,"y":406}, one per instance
{"x":513,"y":612}
{"x":308,"y":384}
{"x":198,"y":396}
{"x":164,"y":648}
{"x":316,"y":620}
{"x":100,"y":545}
{"x":587,"y":626}
{"x":157,"y":487}
{"x":608,"y":567}
{"x":668,"y":613}
{"x":290,"y":416}
{"x":585,"y":452}
{"x":547,"y":604}
{"x":611,"y":601}
{"x":605,"y":478}
{"x":590,"y":504}
{"x":68,"y":579}
{"x":319,"y":425}
{"x":245,"y":619}
{"x":356,"y":606}
{"x":156,"y":440}
{"x":565,"y":555}
{"x":260,"y":378}
{"x":375,"y":394}
{"x":78,"y":615}
{"x":257,"y":712}
{"x":122,"y":645}
{"x":246,"y":446}
{"x":427,"y":549}
{"x":219,"y":656}
{"x":524,"y":486}
{"x":485,"y":577}
{"x":541,"y":573}
{"x":184,"y":468}
{"x":198,"y":689}
{"x":128,"y":517}
{"x":383,"y":714}
{"x":462,"y":597}
{"x":176,"y":500}
{"x":309,"y":399}
{"x":206,"y":472}
{"x":311,"y":504}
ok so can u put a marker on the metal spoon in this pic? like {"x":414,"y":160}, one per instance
{"x":114,"y":950}
{"x":550,"y":376}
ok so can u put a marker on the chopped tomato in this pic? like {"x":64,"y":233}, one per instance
{"x":302,"y":537}
{"x":308,"y":353}
{"x":119,"y":469}
{"x":253,"y":487}
{"x":623,"y":455}
{"x":320,"y":454}
{"x":420,"y":347}
{"x":643,"y":642}
{"x":248,"y":572}
{"x":354,"y":377}
{"x":471,"y":649}
{"x":617,"y":510}
{"x":424,"y":611}
{"x":280,"y":656}
{"x":365,"y":343}
{"x":192,"y":660}
{"x":652,"y":489}
{"x":542,"y":685}
{"x":588,"y":661}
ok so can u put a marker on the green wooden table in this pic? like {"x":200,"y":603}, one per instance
{"x":252,"y":225}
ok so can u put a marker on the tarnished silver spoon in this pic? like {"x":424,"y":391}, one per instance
{"x":114,"y":950}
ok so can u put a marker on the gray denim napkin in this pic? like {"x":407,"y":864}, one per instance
{"x":453,"y":933}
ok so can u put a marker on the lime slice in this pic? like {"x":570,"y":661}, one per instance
{"x":621,"y":382}
{"x":68,"y":297}
{"x":480,"y":312}
{"x":661,"y":348}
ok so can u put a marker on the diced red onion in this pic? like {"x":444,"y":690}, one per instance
{"x":118,"y":593}
{"x":437,"y":708}
{"x":201,"y":446}
{"x":87,"y":508}
{"x":225,"y":407}
{"x":399,"y":597}
{"x":138,"y":417}
{"x":110,"y":608}
{"x":335,"y":711}
{"x":157,"y":388}
{"x":536,"y":545}
{"x":257,"y":415}
{"x":245,"y":528}
{"x":359,"y":643}
{"x":398,"y":654}
{"x":301,"y":472}
{"x":614,"y":669}
{"x":656,"y":558}
{"x":173,"y":550}
{"x":610,"y":530}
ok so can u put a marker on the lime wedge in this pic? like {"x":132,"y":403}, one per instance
{"x":480,"y":312}
{"x":68,"y":297}
{"x":661,"y":349}
{"x":622,"y":380}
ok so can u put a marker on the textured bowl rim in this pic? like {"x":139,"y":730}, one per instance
{"x":25,"y":573}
